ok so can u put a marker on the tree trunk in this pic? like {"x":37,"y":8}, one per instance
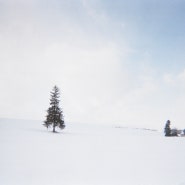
{"x":53,"y":128}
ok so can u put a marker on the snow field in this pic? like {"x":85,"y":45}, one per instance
{"x":85,"y":154}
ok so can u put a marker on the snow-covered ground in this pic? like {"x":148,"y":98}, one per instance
{"x":84,"y":154}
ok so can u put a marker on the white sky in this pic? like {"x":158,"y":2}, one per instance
{"x":114,"y":62}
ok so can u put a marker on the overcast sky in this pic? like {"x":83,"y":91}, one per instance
{"x":116,"y":62}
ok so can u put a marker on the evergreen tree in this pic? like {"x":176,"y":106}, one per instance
{"x":54,"y":115}
{"x":167,"y":129}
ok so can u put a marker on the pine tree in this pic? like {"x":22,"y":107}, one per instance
{"x":167,"y":129}
{"x":54,"y":115}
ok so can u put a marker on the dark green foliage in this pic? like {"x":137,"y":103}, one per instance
{"x":167,"y":129}
{"x":54,"y":116}
{"x":174,"y":132}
